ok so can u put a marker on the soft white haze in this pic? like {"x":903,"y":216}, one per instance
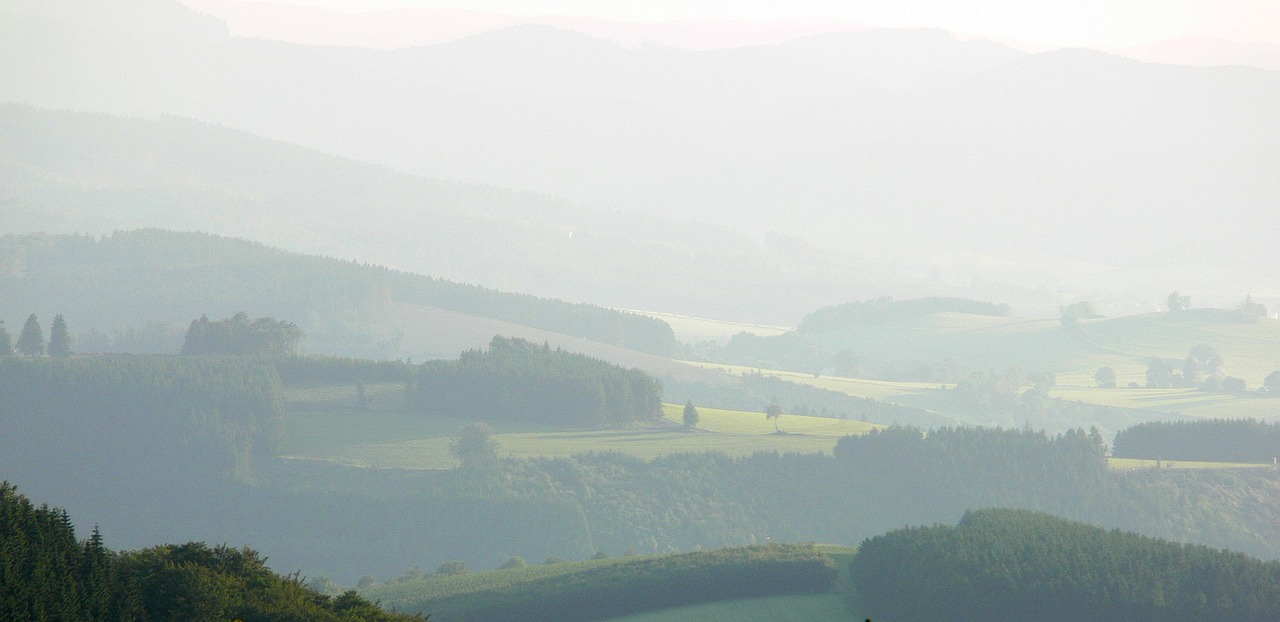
{"x":1055,"y":23}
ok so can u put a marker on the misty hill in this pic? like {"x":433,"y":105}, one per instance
{"x":85,"y":173}
{"x":133,"y":279}
{"x":895,"y":339}
{"x":902,"y":141}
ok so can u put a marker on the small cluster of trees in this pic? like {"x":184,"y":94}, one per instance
{"x":31,"y":340}
{"x":239,"y":336}
{"x":1202,"y":369}
{"x":1073,"y":313}
{"x":1247,"y":309}
{"x":519,"y":380}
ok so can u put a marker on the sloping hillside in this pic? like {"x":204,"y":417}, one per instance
{"x":133,"y":279}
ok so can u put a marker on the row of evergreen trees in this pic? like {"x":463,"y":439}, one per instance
{"x":1018,"y":565}
{"x":47,"y":574}
{"x":520,"y":381}
{"x":31,"y":339}
{"x":1219,"y":440}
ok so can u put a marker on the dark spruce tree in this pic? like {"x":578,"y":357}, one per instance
{"x":31,"y":341}
{"x":59,"y":340}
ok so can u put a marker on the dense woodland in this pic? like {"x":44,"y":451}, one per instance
{"x":1016,"y":565}
{"x":1219,"y":440}
{"x":47,"y":574}
{"x":140,"y":278}
{"x":521,"y":381}
{"x":146,"y":420}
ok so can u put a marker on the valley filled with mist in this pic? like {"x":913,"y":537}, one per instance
{"x":550,"y":317}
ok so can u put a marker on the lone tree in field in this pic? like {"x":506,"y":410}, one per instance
{"x":6,"y":344}
{"x":1159,"y":374}
{"x":1178,"y":302}
{"x":59,"y":340}
{"x":31,"y":342}
{"x":474,"y":445}
{"x":774,"y":412}
{"x":690,"y":415}
{"x":1106,"y":377}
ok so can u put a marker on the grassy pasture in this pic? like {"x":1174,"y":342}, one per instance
{"x":1188,"y":402}
{"x":325,"y":422}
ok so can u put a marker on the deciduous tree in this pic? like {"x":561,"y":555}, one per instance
{"x":774,"y":412}
{"x":1106,"y":377}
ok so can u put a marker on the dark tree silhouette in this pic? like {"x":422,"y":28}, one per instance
{"x":31,"y":342}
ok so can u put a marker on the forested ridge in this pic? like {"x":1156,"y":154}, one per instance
{"x":1219,"y":440}
{"x":518,"y":380}
{"x":133,"y":278}
{"x":1017,"y":565}
{"x":145,"y":419}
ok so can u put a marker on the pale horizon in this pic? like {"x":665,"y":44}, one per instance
{"x":1050,"y":24}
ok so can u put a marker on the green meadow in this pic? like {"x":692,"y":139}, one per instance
{"x":327,"y":423}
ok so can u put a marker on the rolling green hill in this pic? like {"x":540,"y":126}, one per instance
{"x":924,"y":353}
{"x":1248,"y":349}
{"x":605,"y":588}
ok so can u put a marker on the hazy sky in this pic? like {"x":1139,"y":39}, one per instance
{"x":1049,"y":22}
